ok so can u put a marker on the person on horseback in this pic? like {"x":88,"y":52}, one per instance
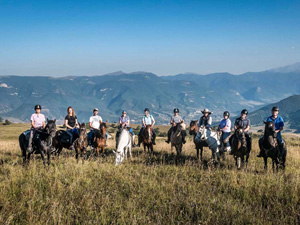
{"x":225,"y":127}
{"x":279,"y":124}
{"x":147,"y":120}
{"x":94,"y":123}
{"x":176,"y":119}
{"x":243,"y":122}
{"x":124,"y":121}
{"x":206,"y":119}
{"x":71,"y":125}
{"x":37,"y":124}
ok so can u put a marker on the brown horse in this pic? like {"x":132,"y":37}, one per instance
{"x":100,"y":140}
{"x":146,"y":138}
{"x":199,"y":145}
{"x":81,"y":142}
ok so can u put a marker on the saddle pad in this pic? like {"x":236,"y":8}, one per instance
{"x":27,"y":134}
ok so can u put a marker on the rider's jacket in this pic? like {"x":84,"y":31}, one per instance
{"x":205,"y":121}
{"x":95,"y":121}
{"x":242,"y":122}
{"x":148,"y":120}
{"x":38,"y":120}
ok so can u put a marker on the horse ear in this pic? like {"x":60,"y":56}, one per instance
{"x":82,"y":124}
{"x":54,"y":120}
{"x":114,"y":151}
{"x":106,"y":123}
{"x":265,"y":122}
{"x":47,"y":120}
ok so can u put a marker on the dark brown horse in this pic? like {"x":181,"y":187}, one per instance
{"x":146,"y":138}
{"x":99,"y":141}
{"x":81,"y":142}
{"x":239,"y":147}
{"x":199,"y":145}
{"x":270,"y":148}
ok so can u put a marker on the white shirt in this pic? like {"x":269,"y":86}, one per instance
{"x":95,"y":121}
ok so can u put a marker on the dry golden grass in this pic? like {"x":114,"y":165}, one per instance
{"x":146,"y":189}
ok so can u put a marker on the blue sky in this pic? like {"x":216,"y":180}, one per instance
{"x":59,"y":38}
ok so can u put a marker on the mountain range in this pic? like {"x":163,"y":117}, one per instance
{"x":112,"y":93}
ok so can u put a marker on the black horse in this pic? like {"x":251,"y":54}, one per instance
{"x":239,"y":147}
{"x":41,"y":143}
{"x":62,"y":140}
{"x":199,"y":144}
{"x":270,"y":148}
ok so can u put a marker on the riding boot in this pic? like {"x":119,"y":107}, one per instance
{"x":183,"y":133}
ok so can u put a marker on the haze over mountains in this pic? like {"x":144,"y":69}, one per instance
{"x":112,"y":93}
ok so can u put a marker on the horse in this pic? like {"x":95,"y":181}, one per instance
{"x":270,"y":148}
{"x":147,"y":138}
{"x":176,"y":137}
{"x":99,"y":141}
{"x":199,"y":144}
{"x":61,"y":140}
{"x":239,"y":147}
{"x":41,"y":143}
{"x":81,"y":143}
{"x":212,"y":140}
{"x":123,"y":146}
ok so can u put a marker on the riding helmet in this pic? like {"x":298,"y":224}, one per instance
{"x":124,"y":111}
{"x":176,"y":110}
{"x":146,"y":110}
{"x":37,"y":107}
{"x":275,"y":108}
{"x":95,"y":109}
{"x":244,"y":111}
{"x":226,"y":113}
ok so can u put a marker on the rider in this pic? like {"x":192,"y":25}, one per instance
{"x":124,"y":121}
{"x":95,"y":122}
{"x":225,"y":127}
{"x":279,"y":124}
{"x":147,"y":120}
{"x":244,"y":122}
{"x":37,"y":123}
{"x":71,"y":124}
{"x":176,"y":119}
{"x":206,"y":119}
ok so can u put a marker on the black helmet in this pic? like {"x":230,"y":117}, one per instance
{"x":275,"y":108}
{"x":37,"y":107}
{"x":176,"y":110}
{"x":146,"y":110}
{"x":226,"y":113}
{"x":244,"y":111}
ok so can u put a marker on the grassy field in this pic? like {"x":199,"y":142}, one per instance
{"x":146,"y":189}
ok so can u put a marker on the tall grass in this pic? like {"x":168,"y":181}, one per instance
{"x":146,"y":189}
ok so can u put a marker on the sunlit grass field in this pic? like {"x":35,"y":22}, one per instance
{"x":147,"y":189}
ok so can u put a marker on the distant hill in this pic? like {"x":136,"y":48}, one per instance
{"x":289,"y":109}
{"x":112,"y":93}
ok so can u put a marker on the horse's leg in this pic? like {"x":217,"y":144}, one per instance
{"x":129,"y":148}
{"x":49,"y":155}
{"x":97,"y":151}
{"x":77,"y":154}
{"x":43,"y":156}
{"x":103,"y":148}
{"x":152,"y":150}
{"x":201,"y":153}
{"x":266,"y":163}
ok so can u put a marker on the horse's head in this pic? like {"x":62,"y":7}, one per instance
{"x":239,"y":132}
{"x":82,"y":131}
{"x":269,"y":128}
{"x":103,"y":127}
{"x":148,"y":133}
{"x":51,"y":127}
{"x":193,"y":127}
{"x":119,"y":157}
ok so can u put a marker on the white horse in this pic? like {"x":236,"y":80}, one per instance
{"x":212,"y":140}
{"x":123,"y":145}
